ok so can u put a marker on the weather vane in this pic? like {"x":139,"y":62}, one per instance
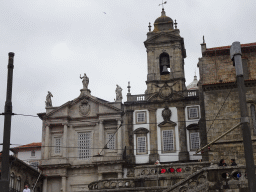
{"x":162,"y":3}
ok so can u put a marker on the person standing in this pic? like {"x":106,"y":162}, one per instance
{"x":222,"y":163}
{"x":26,"y":189}
{"x":233,"y":162}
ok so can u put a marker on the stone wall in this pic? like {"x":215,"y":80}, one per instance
{"x":231,"y":145}
{"x":220,"y":68}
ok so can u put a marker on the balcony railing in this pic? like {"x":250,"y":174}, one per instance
{"x":144,"y":97}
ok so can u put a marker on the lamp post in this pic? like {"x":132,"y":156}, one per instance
{"x":235,"y":54}
{"x":4,"y":184}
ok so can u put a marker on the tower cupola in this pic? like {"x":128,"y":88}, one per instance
{"x":163,"y":23}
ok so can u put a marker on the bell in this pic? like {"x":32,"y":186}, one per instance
{"x":165,"y":71}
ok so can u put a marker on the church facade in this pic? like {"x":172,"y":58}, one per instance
{"x":81,"y":141}
{"x":149,"y":142}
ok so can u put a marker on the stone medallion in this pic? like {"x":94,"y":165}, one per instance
{"x":165,"y":92}
{"x":166,"y":114}
{"x":84,"y":108}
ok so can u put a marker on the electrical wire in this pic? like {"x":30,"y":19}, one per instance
{"x":221,"y":107}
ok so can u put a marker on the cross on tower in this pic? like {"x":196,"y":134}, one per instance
{"x":162,"y":3}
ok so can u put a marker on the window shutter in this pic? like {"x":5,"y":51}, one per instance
{"x":168,"y":140}
{"x":111,"y":141}
{"x":141,"y":144}
{"x":84,"y":144}
{"x":195,"y":140}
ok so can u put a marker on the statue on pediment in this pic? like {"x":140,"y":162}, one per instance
{"x":48,"y":102}
{"x":85,"y":81}
{"x":119,"y":96}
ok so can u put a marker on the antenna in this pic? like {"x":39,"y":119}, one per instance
{"x":162,"y":3}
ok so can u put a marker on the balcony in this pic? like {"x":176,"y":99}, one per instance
{"x":145,"y":97}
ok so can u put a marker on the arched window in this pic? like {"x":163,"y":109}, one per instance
{"x":12,"y":181}
{"x":18,"y":184}
{"x":253,"y":118}
{"x":164,"y":61}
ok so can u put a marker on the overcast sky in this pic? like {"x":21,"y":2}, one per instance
{"x":55,"y":41}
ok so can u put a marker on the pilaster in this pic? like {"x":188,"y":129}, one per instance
{"x":183,"y":154}
{"x":65,"y":140}
{"x":153,"y":156}
{"x":47,"y":138}
{"x":119,"y":138}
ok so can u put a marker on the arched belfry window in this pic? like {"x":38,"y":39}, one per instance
{"x":164,"y":61}
{"x":253,"y":118}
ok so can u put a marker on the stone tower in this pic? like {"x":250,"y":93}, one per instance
{"x":165,"y":55}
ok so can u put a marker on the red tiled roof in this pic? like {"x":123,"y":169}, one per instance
{"x":38,"y":144}
{"x":228,"y":47}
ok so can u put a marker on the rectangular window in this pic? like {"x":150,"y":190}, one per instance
{"x":168,"y":141}
{"x":84,"y":145}
{"x":193,"y":113}
{"x":111,"y":140}
{"x":194,"y":140}
{"x":141,"y":144}
{"x":141,"y":117}
{"x":57,"y":145}
{"x":33,"y":153}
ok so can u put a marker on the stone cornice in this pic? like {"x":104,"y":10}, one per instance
{"x":227,"y":85}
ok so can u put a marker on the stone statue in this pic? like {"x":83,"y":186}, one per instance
{"x":85,"y":81}
{"x":119,"y":96}
{"x":48,"y":102}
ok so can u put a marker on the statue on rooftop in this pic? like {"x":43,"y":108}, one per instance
{"x":48,"y":102}
{"x":85,"y":81}
{"x":119,"y":96}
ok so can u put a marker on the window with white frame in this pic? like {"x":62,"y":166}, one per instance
{"x":111,"y":140}
{"x":193,"y":112}
{"x":57,"y":145}
{"x":168,"y":140}
{"x":141,"y":117}
{"x":194,"y":140}
{"x":84,"y":145}
{"x":141,"y":145}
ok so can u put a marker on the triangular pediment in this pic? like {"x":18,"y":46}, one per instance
{"x":84,"y":106}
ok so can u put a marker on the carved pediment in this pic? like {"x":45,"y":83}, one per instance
{"x":141,"y":130}
{"x":167,"y":124}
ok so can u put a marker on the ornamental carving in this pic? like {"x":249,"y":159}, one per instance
{"x":166,"y":114}
{"x":84,"y":108}
{"x":166,"y":92}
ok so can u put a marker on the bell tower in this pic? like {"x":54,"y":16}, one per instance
{"x":165,"y":55}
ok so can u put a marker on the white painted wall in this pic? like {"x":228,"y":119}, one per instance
{"x":167,"y":157}
{"x":26,"y":156}
{"x":139,"y":159}
{"x":188,"y":122}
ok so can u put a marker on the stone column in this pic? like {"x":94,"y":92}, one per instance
{"x":153,"y":156}
{"x":101,"y":137}
{"x":65,"y":140}
{"x":119,"y":138}
{"x":183,"y":154}
{"x":64,"y":184}
{"x":46,"y":142}
{"x":45,"y":185}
